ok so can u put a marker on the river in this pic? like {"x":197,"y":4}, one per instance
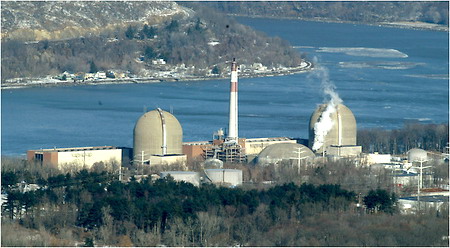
{"x":386,"y":76}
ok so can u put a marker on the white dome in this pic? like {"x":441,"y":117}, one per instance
{"x":417,"y":155}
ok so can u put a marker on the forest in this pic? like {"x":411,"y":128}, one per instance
{"x":132,"y":48}
{"x":354,"y":11}
{"x":315,"y":208}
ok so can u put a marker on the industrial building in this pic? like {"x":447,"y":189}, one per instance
{"x":231,"y":148}
{"x":157,"y":139}
{"x":79,"y":157}
{"x":340,"y":140}
{"x":201,"y":150}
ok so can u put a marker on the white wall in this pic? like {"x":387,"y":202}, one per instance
{"x":375,"y":158}
{"x":89,"y":157}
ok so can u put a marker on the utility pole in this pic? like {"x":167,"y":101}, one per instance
{"x":419,"y":180}
{"x":120,"y":172}
{"x":299,"y":158}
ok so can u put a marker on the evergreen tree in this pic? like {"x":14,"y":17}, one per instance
{"x":130,"y":32}
{"x":93,"y":67}
{"x":215,"y":70}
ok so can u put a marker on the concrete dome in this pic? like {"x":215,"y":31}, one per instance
{"x":343,"y":131}
{"x":417,"y":155}
{"x":157,"y":133}
{"x":283,"y":151}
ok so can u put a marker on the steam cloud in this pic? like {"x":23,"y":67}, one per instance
{"x":332,"y":99}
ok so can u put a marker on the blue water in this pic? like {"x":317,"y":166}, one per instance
{"x":384,"y":88}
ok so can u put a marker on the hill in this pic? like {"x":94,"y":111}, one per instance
{"x":145,"y":39}
{"x":434,"y":12}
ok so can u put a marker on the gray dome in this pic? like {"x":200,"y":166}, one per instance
{"x":417,"y":155}
{"x":343,"y":132}
{"x":283,"y":151}
{"x":157,"y":133}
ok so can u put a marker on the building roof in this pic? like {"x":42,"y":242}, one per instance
{"x":283,"y":151}
{"x":427,"y":198}
{"x":75,"y":149}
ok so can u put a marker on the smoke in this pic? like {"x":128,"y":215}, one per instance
{"x":331,"y":99}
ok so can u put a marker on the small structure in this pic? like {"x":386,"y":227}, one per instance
{"x":375,"y":158}
{"x":89,"y":76}
{"x":186,"y":176}
{"x":100,"y":75}
{"x":412,"y":204}
{"x":159,"y":62}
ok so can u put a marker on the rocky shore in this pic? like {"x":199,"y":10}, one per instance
{"x":50,"y":82}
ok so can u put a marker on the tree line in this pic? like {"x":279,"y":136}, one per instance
{"x":430,"y":137}
{"x":96,"y":209}
{"x":369,"y":12}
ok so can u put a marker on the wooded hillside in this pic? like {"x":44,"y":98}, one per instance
{"x":355,"y":11}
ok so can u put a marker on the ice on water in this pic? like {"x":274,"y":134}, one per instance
{"x":365,"y":52}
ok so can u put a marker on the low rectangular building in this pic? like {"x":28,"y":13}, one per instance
{"x":344,"y":151}
{"x":375,"y":158}
{"x":413,"y":204}
{"x":79,"y":157}
{"x":172,"y":159}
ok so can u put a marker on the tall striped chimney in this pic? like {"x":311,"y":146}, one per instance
{"x":233,"y":121}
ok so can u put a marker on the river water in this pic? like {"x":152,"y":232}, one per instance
{"x":386,"y":76}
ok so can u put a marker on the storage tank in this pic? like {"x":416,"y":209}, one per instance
{"x":224,"y":176}
{"x":417,"y":155}
{"x":284,"y":151}
{"x":156,"y":132}
{"x":342,"y":132}
{"x":186,"y":176}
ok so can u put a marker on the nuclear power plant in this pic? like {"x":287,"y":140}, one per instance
{"x":158,"y":139}
{"x":158,"y":145}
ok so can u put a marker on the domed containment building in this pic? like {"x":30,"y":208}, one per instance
{"x":157,"y":139}
{"x":333,"y":135}
{"x":289,"y":152}
{"x":417,"y":155}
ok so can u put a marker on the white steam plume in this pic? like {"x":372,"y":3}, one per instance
{"x":332,"y":99}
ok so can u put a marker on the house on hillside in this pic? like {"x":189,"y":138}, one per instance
{"x":100,"y":75}
{"x":159,"y":62}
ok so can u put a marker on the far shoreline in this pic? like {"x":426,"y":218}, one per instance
{"x":41,"y":83}
{"x":417,"y":25}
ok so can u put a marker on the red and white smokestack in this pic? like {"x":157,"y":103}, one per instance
{"x":233,"y":121}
